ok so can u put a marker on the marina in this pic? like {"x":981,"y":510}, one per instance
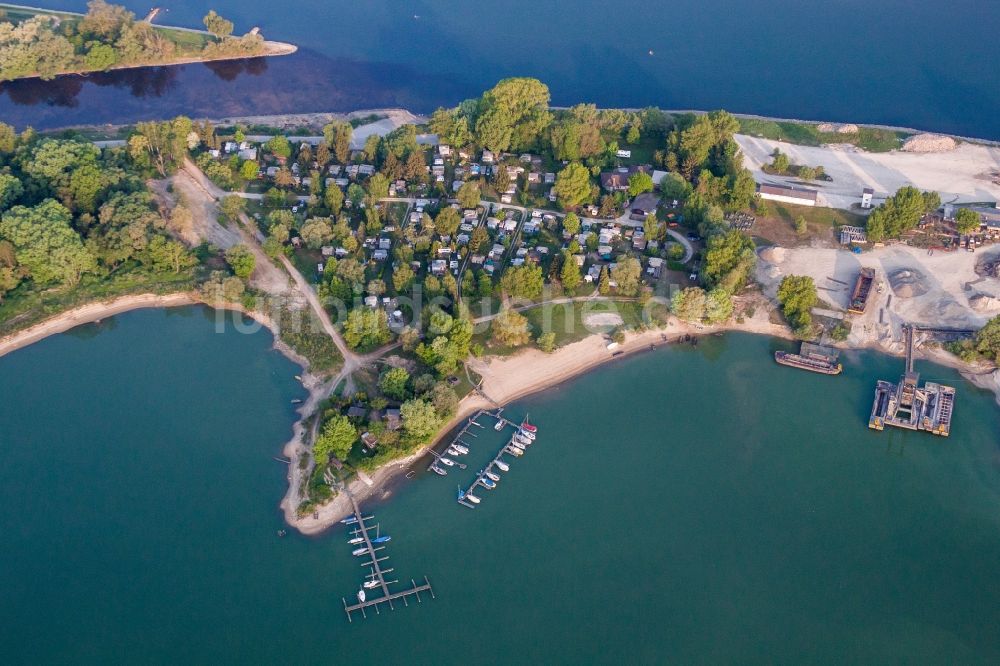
{"x":909,"y":405}
{"x":489,"y":477}
{"x":377,"y":576}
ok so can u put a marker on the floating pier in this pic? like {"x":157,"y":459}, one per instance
{"x":361,"y":528}
{"x":480,"y":480}
{"x":909,"y":405}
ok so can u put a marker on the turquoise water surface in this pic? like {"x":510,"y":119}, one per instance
{"x":689,"y":505}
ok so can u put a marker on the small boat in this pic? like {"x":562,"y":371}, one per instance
{"x":489,"y":484}
{"x":350,"y":520}
{"x":356,"y":540}
{"x":521,"y":439}
{"x":527,"y":433}
{"x":437,"y":470}
{"x":515,"y":451}
{"x":446,"y":461}
{"x":502,"y":466}
{"x":382,"y":539}
{"x":472,"y":498}
{"x":361,"y":596}
{"x":452,"y":451}
{"x":462,"y":450}
{"x":370,"y":584}
{"x":492,"y":475}
{"x":499,"y":426}
{"x":527,"y":426}
{"x":296,"y":401}
{"x":358,"y":552}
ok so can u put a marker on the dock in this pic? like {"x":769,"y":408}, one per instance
{"x":908,"y":405}
{"x":478,"y":482}
{"x":362,"y":529}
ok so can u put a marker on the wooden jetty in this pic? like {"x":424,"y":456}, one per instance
{"x":497,"y":458}
{"x":909,"y":405}
{"x":378,"y":573}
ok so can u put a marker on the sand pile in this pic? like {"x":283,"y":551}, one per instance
{"x":831,"y":128}
{"x":929,"y":143}
{"x":908,"y":283}
{"x":982,"y":302}
{"x":603,"y":319}
{"x":774,"y":255}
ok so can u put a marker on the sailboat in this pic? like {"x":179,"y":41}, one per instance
{"x":361,"y":595}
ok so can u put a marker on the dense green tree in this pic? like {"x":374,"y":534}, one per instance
{"x":573,"y":186}
{"x":334,"y":199}
{"x":366,"y":328}
{"x":241,"y":260}
{"x":639,"y":182}
{"x":338,"y":137}
{"x":571,"y":224}
{"x":249,"y":170}
{"x":420,"y":420}
{"x":966,"y":221}
{"x":718,"y":306}
{"x":316,"y":232}
{"x":513,"y":114}
{"x":10,"y":190}
{"x":626,"y":274}
{"x":335,"y":439}
{"x":547,"y":342}
{"x":569,"y":274}
{"x":45,"y":243}
{"x":729,"y":260}
{"x":525,"y":281}
{"x":468,"y":195}
{"x":451,"y":127}
{"x":394,"y":383}
{"x":780,"y":163}
{"x":217,"y":25}
{"x":447,"y":221}
{"x":279,"y":146}
{"x":166,"y":253}
{"x":402,"y":278}
{"x":797,"y":296}
{"x":689,"y":304}
{"x":510,"y":328}
{"x":899,"y":214}
{"x":653,"y":228}
{"x":673,"y":186}
{"x":231,"y":207}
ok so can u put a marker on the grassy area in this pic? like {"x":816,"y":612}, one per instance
{"x":567,"y":321}
{"x":821,"y":223}
{"x":27,"y":305}
{"x":303,"y":333}
{"x":806,"y":134}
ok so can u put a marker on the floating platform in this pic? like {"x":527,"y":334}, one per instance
{"x":813,"y":358}
{"x":906,"y":405}
{"x":911,"y":406}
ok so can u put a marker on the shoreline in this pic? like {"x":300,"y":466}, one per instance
{"x":505,"y":379}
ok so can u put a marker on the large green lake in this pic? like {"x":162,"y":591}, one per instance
{"x":689,"y":505}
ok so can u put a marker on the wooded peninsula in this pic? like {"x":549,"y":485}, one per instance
{"x":42,"y":43}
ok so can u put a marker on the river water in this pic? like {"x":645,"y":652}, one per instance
{"x":689,"y":505}
{"x":929,"y":64}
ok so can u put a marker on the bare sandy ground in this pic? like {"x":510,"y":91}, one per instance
{"x":954,"y":296}
{"x":968,"y":173}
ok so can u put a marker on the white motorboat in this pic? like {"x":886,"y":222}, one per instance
{"x":371,"y":584}
{"x":446,"y":461}
{"x":358,"y":552}
{"x":527,"y":433}
{"x":356,"y":540}
{"x":438,"y":470}
{"x":361,"y":596}
{"x":502,"y":466}
{"x":492,"y":475}
{"x":499,"y":426}
{"x":472,"y":498}
{"x":462,"y":450}
{"x":515,"y":450}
